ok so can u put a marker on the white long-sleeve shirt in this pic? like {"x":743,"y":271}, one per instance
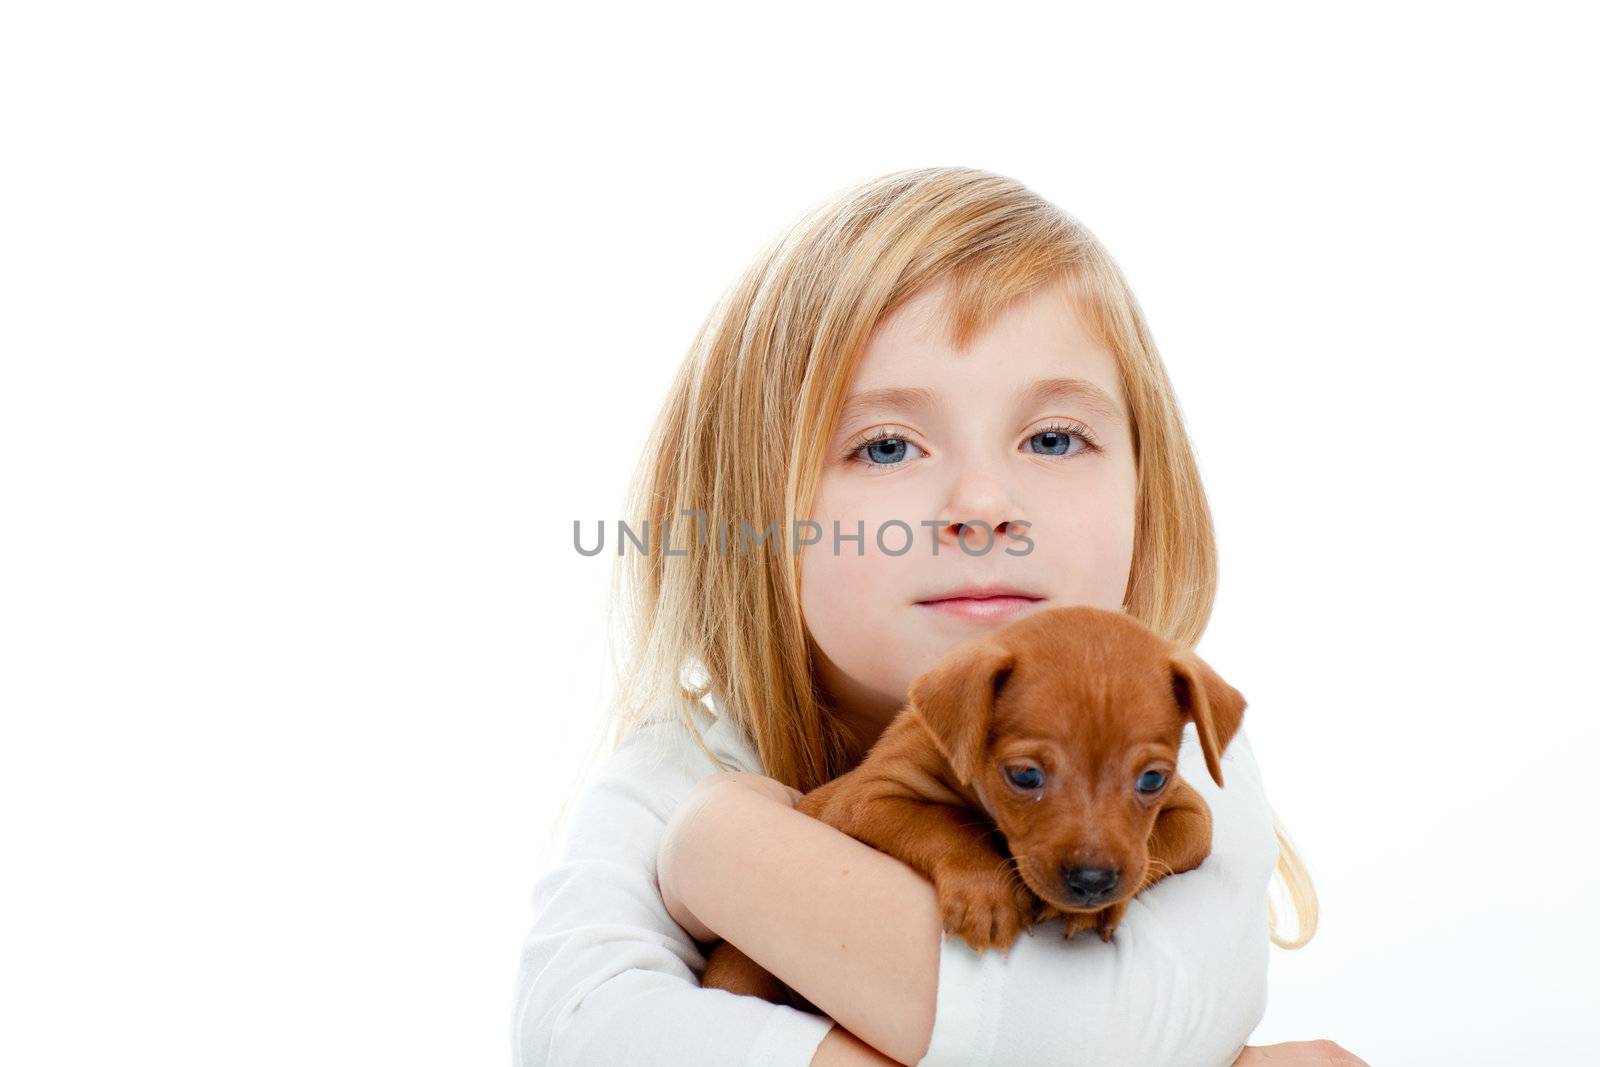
{"x":608,"y":977}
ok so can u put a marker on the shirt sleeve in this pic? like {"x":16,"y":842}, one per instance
{"x":1182,"y":982}
{"x":606,"y":975}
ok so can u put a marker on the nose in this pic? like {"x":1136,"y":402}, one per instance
{"x":980,"y":513}
{"x":1089,"y":885}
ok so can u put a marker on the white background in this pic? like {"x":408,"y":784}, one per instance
{"x":322,"y":322}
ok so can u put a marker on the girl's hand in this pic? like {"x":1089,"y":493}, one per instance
{"x":1298,"y":1054}
{"x":678,"y":842}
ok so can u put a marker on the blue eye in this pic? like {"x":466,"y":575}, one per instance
{"x":1151,"y":781}
{"x":1054,"y":440}
{"x":1025,"y":777}
{"x":889,"y":447}
{"x":884,"y":449}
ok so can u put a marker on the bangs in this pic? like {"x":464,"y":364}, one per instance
{"x":981,"y":290}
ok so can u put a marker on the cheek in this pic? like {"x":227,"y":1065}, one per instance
{"x":1084,"y":540}
{"x":848,"y":606}
{"x":844,"y":578}
{"x":853,"y":598}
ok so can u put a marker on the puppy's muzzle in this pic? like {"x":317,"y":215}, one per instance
{"x":1088,"y":886}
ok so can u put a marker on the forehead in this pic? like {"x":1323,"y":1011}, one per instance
{"x":1038,"y":349}
{"x":1088,"y":685}
{"x":1084,"y":663}
{"x":1099,"y":712}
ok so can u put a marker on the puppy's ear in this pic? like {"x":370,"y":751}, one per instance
{"x":1215,"y":706}
{"x":955,"y":699}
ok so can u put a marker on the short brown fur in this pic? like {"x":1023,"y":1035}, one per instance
{"x":1089,"y":698}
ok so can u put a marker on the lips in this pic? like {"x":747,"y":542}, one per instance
{"x":982,"y":592}
{"x":987,"y":603}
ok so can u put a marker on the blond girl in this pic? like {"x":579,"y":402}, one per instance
{"x":926,"y":371}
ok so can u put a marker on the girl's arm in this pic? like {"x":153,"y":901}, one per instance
{"x":854,"y":930}
{"x":841,"y":1048}
{"x":606,"y":975}
{"x":858,"y":934}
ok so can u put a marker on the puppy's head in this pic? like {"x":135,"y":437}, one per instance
{"x":1065,"y":725}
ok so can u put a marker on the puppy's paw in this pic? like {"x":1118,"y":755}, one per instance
{"x":986,"y":908}
{"x":1103,"y":922}
{"x":1108,"y":918}
{"x":1079,"y":921}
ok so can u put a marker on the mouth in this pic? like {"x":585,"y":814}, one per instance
{"x":1051,"y":897}
{"x":982,"y":603}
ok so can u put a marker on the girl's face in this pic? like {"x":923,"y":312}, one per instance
{"x":1025,"y":432}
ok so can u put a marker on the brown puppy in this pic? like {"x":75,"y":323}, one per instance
{"x":1032,"y":775}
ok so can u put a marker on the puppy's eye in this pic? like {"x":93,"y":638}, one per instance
{"x":1025,"y":777}
{"x":1150,"y":782}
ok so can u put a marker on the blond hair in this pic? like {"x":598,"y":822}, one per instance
{"x":766,"y":376}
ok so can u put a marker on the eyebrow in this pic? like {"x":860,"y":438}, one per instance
{"x":1082,"y":390}
{"x":1042,"y":391}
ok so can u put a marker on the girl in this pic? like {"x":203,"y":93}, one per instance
{"x":933,"y":382}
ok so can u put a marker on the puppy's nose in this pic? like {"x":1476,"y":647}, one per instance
{"x":1089,"y":885}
